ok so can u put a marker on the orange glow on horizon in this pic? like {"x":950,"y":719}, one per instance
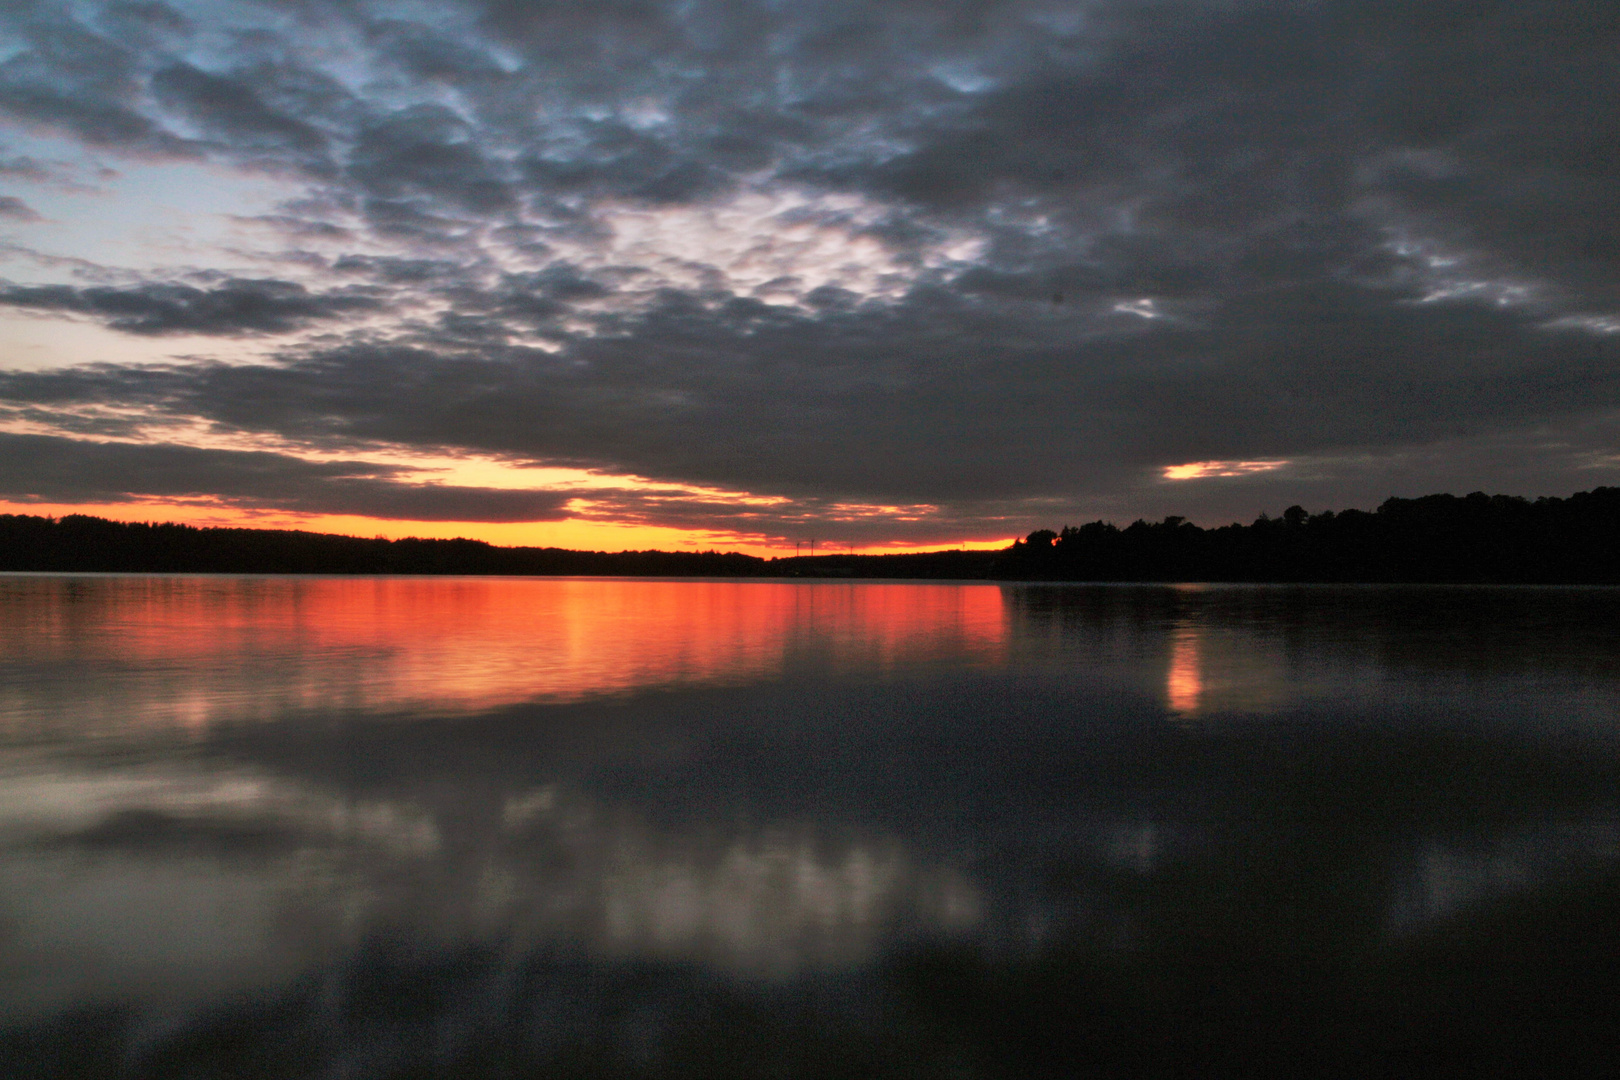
{"x":574,"y":533}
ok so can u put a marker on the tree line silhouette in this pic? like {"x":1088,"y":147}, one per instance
{"x":90,"y":544}
{"x":1436,"y":538}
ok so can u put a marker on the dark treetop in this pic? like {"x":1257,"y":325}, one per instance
{"x":1436,"y":538}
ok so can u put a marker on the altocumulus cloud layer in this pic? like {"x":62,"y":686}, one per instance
{"x":994,"y":264}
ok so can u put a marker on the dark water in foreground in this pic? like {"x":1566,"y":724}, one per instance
{"x":499,"y":827}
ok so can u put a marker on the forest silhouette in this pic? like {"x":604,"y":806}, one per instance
{"x":1476,"y":538}
{"x":1436,"y":538}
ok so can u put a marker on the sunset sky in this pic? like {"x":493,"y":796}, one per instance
{"x":628,"y":274}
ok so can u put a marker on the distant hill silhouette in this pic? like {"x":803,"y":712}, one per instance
{"x":1436,"y":538}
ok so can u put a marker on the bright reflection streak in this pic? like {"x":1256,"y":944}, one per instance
{"x":1184,"y":683}
{"x":123,"y":652}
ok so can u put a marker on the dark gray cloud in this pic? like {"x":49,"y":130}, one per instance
{"x":1035,"y":252}
{"x":44,"y":468}
{"x":233,"y":306}
{"x":427,"y":150}
{"x":231,"y":111}
{"x":17,"y":210}
{"x":83,"y":83}
{"x":23,"y":167}
{"x":886,"y":405}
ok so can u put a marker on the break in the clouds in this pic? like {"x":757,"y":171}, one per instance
{"x":878,"y":270}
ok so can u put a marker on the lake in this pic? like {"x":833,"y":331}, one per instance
{"x":390,"y":827}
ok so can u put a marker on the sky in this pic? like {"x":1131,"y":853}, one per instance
{"x":739,"y":275}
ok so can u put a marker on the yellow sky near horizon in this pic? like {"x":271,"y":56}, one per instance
{"x":572,"y":533}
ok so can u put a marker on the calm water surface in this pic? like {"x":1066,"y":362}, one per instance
{"x":369,"y":827}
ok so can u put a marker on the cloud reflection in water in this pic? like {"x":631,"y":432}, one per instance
{"x":190,"y":879}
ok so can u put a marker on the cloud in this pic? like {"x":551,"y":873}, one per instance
{"x":232,"y":111}
{"x":233,"y":307}
{"x":426,"y":150}
{"x":72,"y":79}
{"x":1200,"y":470}
{"x":993,"y":258}
{"x":45,"y":468}
{"x":17,"y":210}
{"x":26,"y":168}
{"x":900,"y":405}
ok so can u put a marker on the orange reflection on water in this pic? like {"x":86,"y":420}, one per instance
{"x":197,"y":650}
{"x":1184,"y":683}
